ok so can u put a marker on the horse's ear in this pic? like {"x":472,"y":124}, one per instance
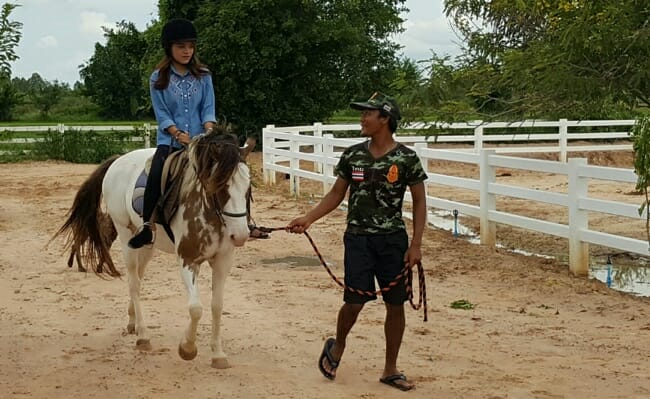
{"x":248,"y":147}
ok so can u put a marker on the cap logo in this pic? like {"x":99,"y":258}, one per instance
{"x":387,"y":108}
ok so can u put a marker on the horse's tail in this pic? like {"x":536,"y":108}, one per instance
{"x":82,"y":229}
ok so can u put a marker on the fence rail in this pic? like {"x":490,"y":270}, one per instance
{"x":62,"y":128}
{"x":285,"y":148}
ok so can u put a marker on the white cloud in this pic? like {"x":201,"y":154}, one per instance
{"x":92,"y":22}
{"x":48,"y":41}
{"x":72,"y":27}
{"x":427,"y":30}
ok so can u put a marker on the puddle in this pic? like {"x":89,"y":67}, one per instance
{"x":626,"y":274}
{"x":295,"y":261}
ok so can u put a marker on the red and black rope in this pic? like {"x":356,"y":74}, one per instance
{"x":405,"y":274}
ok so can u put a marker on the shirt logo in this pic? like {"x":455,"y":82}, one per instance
{"x":393,"y":174}
{"x":357,"y":174}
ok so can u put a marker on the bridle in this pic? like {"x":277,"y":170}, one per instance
{"x":219,"y":211}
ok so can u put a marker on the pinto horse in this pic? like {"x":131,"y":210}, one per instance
{"x":209,"y":223}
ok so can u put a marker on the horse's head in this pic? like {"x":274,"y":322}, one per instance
{"x":220,"y":166}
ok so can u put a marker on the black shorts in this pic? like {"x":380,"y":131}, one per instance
{"x":374,"y":256}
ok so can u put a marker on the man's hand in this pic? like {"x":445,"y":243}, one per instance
{"x":299,"y":225}
{"x":413,"y":256}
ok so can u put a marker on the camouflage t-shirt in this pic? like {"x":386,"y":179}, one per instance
{"x":377,"y":187}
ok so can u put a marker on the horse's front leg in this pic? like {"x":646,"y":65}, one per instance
{"x":221,"y":265}
{"x":187,"y":348}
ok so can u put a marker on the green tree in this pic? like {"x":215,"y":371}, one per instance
{"x":49,"y":95}
{"x":10,"y":35}
{"x":112,"y":77}
{"x":568,"y":58}
{"x":9,"y":98}
{"x":188,"y":9}
{"x":293,"y":61}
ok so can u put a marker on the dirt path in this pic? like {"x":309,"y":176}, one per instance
{"x":535,"y":332}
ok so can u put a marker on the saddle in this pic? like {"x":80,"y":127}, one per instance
{"x":171,"y":182}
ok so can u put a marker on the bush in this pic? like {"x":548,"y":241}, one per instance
{"x":86,"y":147}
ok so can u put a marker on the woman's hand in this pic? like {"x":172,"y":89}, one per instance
{"x":183,"y":137}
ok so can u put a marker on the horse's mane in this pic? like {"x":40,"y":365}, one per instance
{"x":214,"y":157}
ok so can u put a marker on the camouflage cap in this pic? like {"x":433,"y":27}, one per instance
{"x":379,"y":101}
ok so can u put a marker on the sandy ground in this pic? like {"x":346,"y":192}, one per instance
{"x":535,"y":331}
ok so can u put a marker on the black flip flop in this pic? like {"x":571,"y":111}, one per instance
{"x":327,"y":355}
{"x":258,"y":232}
{"x":392,"y":381}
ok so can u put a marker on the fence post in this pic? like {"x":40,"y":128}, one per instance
{"x":488,"y":201}
{"x":564,"y":140}
{"x":318,"y":148}
{"x":268,"y":158}
{"x":328,"y":169}
{"x":425,"y":165}
{"x":294,"y":165}
{"x":60,"y":128}
{"x":147,"y":135}
{"x":578,"y":219}
{"x":478,"y":136}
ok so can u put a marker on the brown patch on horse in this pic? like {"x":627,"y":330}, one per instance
{"x":81,"y":229}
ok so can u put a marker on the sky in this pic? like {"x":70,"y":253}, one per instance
{"x":60,"y":35}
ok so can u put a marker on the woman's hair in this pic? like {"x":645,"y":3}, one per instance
{"x":196,"y":68}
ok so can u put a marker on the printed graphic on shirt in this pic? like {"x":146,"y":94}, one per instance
{"x":357,"y":174}
{"x":375,"y":202}
{"x":393,"y":174}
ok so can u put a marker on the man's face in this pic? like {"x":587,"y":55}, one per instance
{"x":371,"y":122}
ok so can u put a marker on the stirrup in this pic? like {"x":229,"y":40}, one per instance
{"x":144,"y":236}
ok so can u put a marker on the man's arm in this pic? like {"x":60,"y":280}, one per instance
{"x":329,"y":202}
{"x":413,"y":254}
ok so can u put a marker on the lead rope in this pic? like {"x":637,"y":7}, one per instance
{"x":405,"y":273}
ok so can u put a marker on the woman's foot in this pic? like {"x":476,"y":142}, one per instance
{"x":142,"y":237}
{"x":257,"y":232}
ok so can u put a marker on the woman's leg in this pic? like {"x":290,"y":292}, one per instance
{"x":151,"y":195}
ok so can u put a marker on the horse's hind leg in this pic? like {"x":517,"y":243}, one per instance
{"x":187,"y":348}
{"x":220,"y":268}
{"x":74,"y":255}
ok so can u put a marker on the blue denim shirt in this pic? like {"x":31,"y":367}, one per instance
{"x":187,"y":102}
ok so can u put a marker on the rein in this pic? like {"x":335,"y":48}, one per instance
{"x":405,"y":273}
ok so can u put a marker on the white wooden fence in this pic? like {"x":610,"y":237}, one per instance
{"x":62,"y":128}
{"x":284,"y":148}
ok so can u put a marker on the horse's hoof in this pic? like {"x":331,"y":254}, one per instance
{"x":220,"y":363}
{"x":185,"y":355}
{"x":130,"y":328}
{"x":143,"y":344}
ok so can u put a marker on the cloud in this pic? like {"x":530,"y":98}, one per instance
{"x":48,"y":41}
{"x":92,"y":22}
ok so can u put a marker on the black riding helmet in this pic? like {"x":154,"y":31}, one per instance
{"x":177,"y":30}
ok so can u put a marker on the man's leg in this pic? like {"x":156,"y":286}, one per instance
{"x":347,"y":317}
{"x":394,"y":331}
